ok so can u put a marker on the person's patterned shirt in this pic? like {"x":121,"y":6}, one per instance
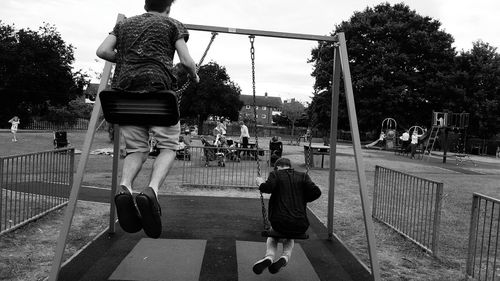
{"x":145,"y":52}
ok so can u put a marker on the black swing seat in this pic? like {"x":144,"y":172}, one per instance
{"x":275,"y":234}
{"x":151,"y":108}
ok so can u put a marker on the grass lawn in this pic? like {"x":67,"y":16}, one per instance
{"x":399,"y":258}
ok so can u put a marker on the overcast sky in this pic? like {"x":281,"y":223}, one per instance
{"x":281,"y":64}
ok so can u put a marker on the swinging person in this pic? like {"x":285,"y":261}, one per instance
{"x":143,"y":48}
{"x":290,"y":192}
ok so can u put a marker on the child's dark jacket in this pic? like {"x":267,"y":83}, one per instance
{"x":290,"y":192}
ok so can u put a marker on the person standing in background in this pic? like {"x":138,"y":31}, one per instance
{"x":15,"y":121}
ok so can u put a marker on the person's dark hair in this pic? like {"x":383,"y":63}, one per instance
{"x":157,"y":5}
{"x":283,"y":162}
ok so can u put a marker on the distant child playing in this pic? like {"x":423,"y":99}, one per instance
{"x":15,"y":121}
{"x":290,"y":192}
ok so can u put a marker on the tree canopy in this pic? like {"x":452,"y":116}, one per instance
{"x":36,"y":71}
{"x":215,"y":95}
{"x":293,"y":111}
{"x":477,"y":82}
{"x":400,"y":63}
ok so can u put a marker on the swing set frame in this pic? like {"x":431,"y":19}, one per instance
{"x":340,"y":66}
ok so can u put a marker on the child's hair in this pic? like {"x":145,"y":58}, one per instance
{"x":275,"y":139}
{"x":157,"y":5}
{"x":282,"y":162}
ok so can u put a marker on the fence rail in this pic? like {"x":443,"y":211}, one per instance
{"x":78,"y":125}
{"x":410,"y":205}
{"x":483,"y":255}
{"x":32,"y":185}
{"x":234,"y":167}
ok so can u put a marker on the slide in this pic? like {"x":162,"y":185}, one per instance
{"x":372,"y":144}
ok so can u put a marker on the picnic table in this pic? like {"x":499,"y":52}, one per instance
{"x":319,"y":156}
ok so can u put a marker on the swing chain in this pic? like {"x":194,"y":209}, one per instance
{"x":252,"y":56}
{"x":314,"y":115}
{"x":186,"y":85}
{"x":263,"y":205}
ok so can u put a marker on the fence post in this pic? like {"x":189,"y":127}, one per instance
{"x":472,"y":234}
{"x":375,"y":192}
{"x":71,"y":167}
{"x":437,"y":218}
{"x":1,"y":191}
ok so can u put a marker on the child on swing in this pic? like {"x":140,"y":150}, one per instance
{"x":290,"y":192}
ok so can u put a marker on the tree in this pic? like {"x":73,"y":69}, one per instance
{"x":401,"y":65}
{"x":293,"y":111}
{"x":215,"y":95}
{"x":478,"y":82}
{"x":36,"y":71}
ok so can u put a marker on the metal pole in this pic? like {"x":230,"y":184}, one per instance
{"x":264,"y":33}
{"x":114,"y":178}
{"x":437,"y":219}
{"x":365,"y":204}
{"x":472,"y":234}
{"x":2,"y":160}
{"x":75,"y":189}
{"x":333,"y":139}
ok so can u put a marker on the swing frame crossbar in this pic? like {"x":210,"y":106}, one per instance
{"x":340,"y":66}
{"x":262,"y":33}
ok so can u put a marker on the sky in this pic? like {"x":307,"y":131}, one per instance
{"x":281,"y":64}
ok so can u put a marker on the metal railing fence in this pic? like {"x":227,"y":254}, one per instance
{"x":410,"y":205}
{"x":483,"y":258}
{"x":33,"y":184}
{"x":226,"y":167}
{"x":79,"y":124}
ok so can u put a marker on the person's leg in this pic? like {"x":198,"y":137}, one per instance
{"x":271,"y":249}
{"x":147,"y":200}
{"x":161,"y":167}
{"x":287,"y":248}
{"x":168,"y":143}
{"x":245,"y":145}
{"x":136,"y":144}
{"x":284,"y":258}
{"x":131,"y":167}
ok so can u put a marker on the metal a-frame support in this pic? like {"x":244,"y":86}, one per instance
{"x":340,"y":66}
{"x":77,"y":182}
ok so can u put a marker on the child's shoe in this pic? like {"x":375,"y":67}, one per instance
{"x":276,"y":266}
{"x":150,"y":210}
{"x":262,"y":264}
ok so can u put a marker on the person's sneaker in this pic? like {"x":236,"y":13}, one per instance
{"x":262,"y":264}
{"x":276,"y":266}
{"x":127,"y":213}
{"x":150,"y":210}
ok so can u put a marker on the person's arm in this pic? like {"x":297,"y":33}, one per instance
{"x":311,"y":190}
{"x":186,"y":59}
{"x":106,"y":50}
{"x":268,"y":185}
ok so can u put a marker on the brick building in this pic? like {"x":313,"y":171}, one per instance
{"x":265,"y":106}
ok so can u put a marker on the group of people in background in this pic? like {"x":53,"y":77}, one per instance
{"x":410,"y":143}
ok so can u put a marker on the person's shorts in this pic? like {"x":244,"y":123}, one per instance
{"x":136,"y":137}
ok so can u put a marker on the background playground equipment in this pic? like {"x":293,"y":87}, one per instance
{"x":442,"y":124}
{"x":388,"y":127}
